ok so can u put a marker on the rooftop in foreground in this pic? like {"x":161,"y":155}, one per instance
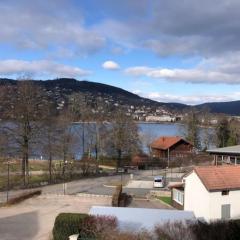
{"x":217,"y":178}
{"x":133,"y":219}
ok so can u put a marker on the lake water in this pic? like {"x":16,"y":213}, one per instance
{"x":150,"y":131}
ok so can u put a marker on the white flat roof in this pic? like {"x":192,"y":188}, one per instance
{"x":133,"y":219}
{"x":233,"y":150}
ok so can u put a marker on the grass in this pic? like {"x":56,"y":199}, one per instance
{"x":34,"y":165}
{"x":165,"y":199}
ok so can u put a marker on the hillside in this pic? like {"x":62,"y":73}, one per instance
{"x":64,"y":87}
{"x":230,"y":108}
{"x":60,"y":89}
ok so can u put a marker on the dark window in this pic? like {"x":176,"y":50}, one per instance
{"x":225,"y":192}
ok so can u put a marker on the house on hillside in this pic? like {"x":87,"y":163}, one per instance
{"x":211,"y":192}
{"x":170,"y":146}
{"x":226,"y":155}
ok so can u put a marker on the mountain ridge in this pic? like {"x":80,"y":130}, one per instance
{"x":67,"y":86}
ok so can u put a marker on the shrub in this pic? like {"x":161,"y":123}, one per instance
{"x":217,"y":230}
{"x":23,"y":197}
{"x":67,"y":224}
{"x":97,"y":227}
{"x":174,"y":231}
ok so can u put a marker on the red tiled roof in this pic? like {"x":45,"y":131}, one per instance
{"x":165,"y":142}
{"x":217,"y":178}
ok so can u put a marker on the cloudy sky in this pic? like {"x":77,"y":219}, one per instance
{"x":169,"y":50}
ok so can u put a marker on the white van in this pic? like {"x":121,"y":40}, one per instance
{"x":158,"y":182}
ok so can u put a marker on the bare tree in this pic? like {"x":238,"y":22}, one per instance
{"x":207,"y":131}
{"x":192,"y":128}
{"x":124,"y":136}
{"x":49,"y":142}
{"x":26,"y":111}
{"x":81,"y":112}
{"x":223,"y":132}
{"x":66,"y":139}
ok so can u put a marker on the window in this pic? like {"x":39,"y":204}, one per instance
{"x":225,"y":192}
{"x":178,"y":196}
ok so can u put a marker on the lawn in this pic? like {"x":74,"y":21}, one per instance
{"x":165,"y":199}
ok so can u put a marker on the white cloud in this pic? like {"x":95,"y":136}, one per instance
{"x":191,"y":99}
{"x":110,"y":65}
{"x":173,"y":27}
{"x":40,"y":68}
{"x":137,"y":91}
{"x":47,"y":27}
{"x":224,"y":70}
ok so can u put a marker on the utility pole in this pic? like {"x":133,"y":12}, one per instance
{"x":168,"y":157}
{"x":8,"y":179}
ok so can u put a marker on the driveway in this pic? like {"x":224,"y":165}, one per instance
{"x":140,"y":184}
{"x":34,"y":218}
{"x":149,"y":203}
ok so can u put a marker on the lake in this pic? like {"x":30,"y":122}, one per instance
{"x":155,"y":130}
{"x":150,"y":131}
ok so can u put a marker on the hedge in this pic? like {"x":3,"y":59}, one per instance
{"x":67,"y":224}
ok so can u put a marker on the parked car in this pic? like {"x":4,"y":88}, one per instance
{"x":158,"y":182}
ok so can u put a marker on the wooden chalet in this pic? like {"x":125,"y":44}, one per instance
{"x":167,"y":147}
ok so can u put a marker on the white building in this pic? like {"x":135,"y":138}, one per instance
{"x":211,"y":192}
{"x":163,"y":118}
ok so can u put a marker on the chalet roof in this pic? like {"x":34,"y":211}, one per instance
{"x":166,"y":142}
{"x":218,"y":178}
{"x":226,"y":150}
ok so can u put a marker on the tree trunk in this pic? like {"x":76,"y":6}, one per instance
{"x":25,"y":163}
{"x":50,"y":168}
{"x":119,"y":151}
{"x":83,"y":138}
{"x":24,"y":169}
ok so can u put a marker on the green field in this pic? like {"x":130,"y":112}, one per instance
{"x":165,"y":199}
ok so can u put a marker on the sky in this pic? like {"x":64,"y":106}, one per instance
{"x":168,"y":50}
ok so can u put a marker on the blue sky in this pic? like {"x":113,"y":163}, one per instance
{"x":171,"y":51}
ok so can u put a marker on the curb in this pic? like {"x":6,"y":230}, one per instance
{"x":49,"y":195}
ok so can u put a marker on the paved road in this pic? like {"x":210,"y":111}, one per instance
{"x":96,"y":185}
{"x":92,"y":185}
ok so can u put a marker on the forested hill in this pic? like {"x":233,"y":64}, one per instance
{"x":62,"y":87}
{"x":230,"y":108}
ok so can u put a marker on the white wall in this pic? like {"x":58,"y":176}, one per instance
{"x":217,"y":200}
{"x":206,"y":204}
{"x":196,"y":197}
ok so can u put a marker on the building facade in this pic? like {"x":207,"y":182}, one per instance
{"x":171,"y":147}
{"x":211,"y":192}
